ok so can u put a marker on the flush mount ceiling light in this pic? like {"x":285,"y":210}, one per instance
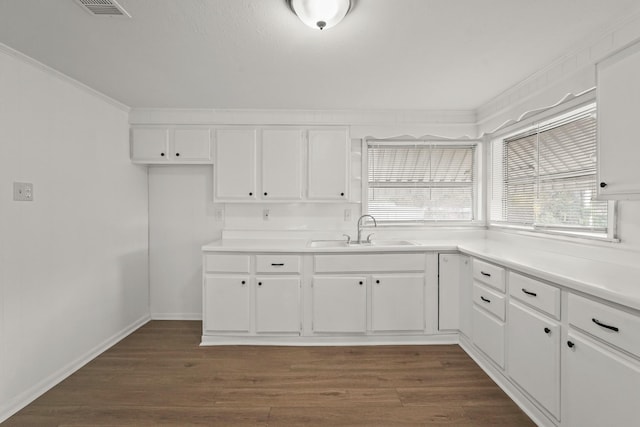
{"x":320,"y":14}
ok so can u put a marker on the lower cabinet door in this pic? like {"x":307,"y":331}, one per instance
{"x":277,"y":305}
{"x":339,"y":304}
{"x":397,"y":303}
{"x":226,"y":304}
{"x":533,"y":359}
{"x":600,"y":388}
{"x":488,"y":335}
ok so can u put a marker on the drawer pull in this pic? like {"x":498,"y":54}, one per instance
{"x":273,"y":264}
{"x":485,"y":299}
{"x":533,"y":294}
{"x":597,"y":322}
{"x":485,"y":274}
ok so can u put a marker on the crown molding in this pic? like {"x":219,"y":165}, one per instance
{"x":62,"y":77}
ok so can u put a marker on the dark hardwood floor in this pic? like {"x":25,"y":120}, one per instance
{"x":160,"y":376}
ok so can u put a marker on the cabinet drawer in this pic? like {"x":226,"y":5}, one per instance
{"x":489,"y":300}
{"x":488,"y":335}
{"x":490,"y":274}
{"x":226,"y":263}
{"x":607,"y":323}
{"x":369,"y":263}
{"x":277,"y":264}
{"x":535,"y":293}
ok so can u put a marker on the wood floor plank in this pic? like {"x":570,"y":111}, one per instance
{"x":159,"y":375}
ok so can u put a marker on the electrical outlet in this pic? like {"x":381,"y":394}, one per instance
{"x":23,"y":191}
{"x":347,"y":214}
{"x":218,"y":214}
{"x":265,"y":214}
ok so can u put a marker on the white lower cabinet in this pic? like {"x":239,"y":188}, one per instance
{"x":278,"y":305}
{"x":533,"y":360}
{"x":488,"y":335}
{"x":601,"y":387}
{"x":397,"y":303}
{"x":339,"y":304}
{"x":226,"y":304}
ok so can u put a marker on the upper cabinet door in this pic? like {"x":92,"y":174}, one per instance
{"x":328,"y":164}
{"x":282,"y":164}
{"x":235,"y":164}
{"x":192,"y":145}
{"x":149,"y":145}
{"x":618,"y":93}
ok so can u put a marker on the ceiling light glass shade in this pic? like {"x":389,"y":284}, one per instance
{"x":320,"y":14}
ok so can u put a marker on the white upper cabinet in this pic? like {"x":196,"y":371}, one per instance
{"x":282,"y":164}
{"x":192,"y":145}
{"x":149,"y":145}
{"x":618,"y":96}
{"x":157,"y":145}
{"x":328,"y":164}
{"x":235,"y":164}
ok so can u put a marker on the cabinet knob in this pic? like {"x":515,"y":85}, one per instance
{"x":265,"y":193}
{"x":251,"y":194}
{"x":177,"y":154}
{"x":259,"y":283}
{"x":547,"y":330}
{"x":377,"y":281}
{"x":570,"y":344}
{"x":603,"y":184}
{"x":342,"y":194}
{"x":360,"y":283}
{"x":243,"y":282}
{"x":161,"y":154}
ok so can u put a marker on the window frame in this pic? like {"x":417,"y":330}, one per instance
{"x":550,"y":115}
{"x":477,"y":186}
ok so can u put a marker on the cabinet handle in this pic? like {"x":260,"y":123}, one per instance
{"x":485,"y":299}
{"x":259,"y":283}
{"x":162,"y":154}
{"x":277,"y":264}
{"x":485,"y":274}
{"x":533,"y":294}
{"x":597,"y":322}
{"x":603,"y":184}
{"x":177,"y":154}
{"x":570,"y":344}
{"x":547,"y":330}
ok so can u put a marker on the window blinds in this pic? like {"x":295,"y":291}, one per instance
{"x":421,"y":182}
{"x":547,"y":176}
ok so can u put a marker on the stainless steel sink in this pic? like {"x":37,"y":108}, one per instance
{"x":344,"y":244}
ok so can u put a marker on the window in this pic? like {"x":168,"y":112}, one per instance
{"x":544,"y":177}
{"x":417,"y":182}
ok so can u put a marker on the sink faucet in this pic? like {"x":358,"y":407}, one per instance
{"x":375,"y":224}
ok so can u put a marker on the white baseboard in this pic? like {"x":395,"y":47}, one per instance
{"x":176,"y":316}
{"x":296,"y":340}
{"x":520,"y":399}
{"x":15,"y":404}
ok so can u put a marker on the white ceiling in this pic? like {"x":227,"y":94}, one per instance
{"x":386,"y":54}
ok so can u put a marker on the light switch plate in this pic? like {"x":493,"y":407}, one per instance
{"x":23,"y":191}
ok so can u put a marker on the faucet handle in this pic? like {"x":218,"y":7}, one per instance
{"x":348,"y":238}
{"x":369,"y":237}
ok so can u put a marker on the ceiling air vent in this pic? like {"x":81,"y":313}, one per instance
{"x":103,"y":8}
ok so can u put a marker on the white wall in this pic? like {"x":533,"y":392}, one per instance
{"x":73,"y":263}
{"x":181,"y":220}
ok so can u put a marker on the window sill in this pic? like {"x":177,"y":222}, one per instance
{"x":552,"y":234}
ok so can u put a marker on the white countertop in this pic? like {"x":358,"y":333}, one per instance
{"x":616,"y":283}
